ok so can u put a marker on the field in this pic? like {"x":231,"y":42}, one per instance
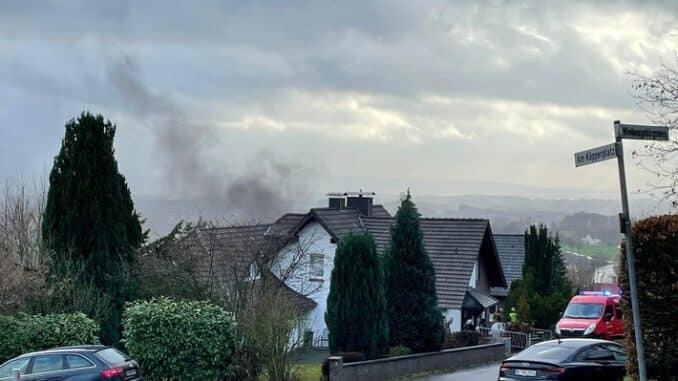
{"x":607,"y":252}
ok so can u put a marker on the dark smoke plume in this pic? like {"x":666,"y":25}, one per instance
{"x":266,"y":188}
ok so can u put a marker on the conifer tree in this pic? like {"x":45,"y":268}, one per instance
{"x":544,"y":285}
{"x":414,"y":318}
{"x":356,"y":305}
{"x":89,"y":222}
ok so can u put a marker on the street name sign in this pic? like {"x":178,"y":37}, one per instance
{"x":595,"y":155}
{"x":640,"y":132}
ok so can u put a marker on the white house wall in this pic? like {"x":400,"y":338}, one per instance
{"x":313,"y":239}
{"x":474,"y":276}
{"x":455,"y":316}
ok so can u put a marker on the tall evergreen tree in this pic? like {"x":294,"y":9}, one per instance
{"x":89,"y":221}
{"x":356,"y":305}
{"x":414,"y":318}
{"x":544,"y":284}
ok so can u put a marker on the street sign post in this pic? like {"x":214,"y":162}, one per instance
{"x":595,"y":155}
{"x":640,"y":132}
{"x":616,"y":149}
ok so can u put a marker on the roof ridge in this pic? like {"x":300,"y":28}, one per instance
{"x":454,"y":219}
{"x":234,"y":227}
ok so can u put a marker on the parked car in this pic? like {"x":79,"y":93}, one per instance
{"x":565,"y":360}
{"x":594,"y":314}
{"x":76,"y":363}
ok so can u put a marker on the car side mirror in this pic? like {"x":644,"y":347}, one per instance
{"x":608,"y":316}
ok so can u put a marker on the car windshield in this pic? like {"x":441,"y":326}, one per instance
{"x":583,"y":310}
{"x":554,"y":353}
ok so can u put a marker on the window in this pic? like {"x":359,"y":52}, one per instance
{"x":77,"y":362}
{"x":583,"y":310}
{"x":21,"y":364}
{"x":253,"y":272}
{"x":618,"y":310}
{"x":595,"y":354}
{"x":546,"y":352}
{"x":608,"y":310}
{"x":47,"y":363}
{"x":317,"y":266}
{"x":618,"y":352}
{"x":111,"y":356}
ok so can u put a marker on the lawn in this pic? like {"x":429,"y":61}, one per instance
{"x":608,"y":252}
{"x":306,"y":372}
{"x":309,"y":372}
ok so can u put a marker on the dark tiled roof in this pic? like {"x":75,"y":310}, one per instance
{"x":338,"y":222}
{"x":484,"y":300}
{"x":511,"y":250}
{"x":453,"y":246}
{"x":379,"y":211}
{"x":284,"y":225}
{"x":303,"y":302}
{"x":228,"y":251}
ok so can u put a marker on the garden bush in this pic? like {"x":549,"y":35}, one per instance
{"x":655,"y":242}
{"x":27,"y":333}
{"x":461,"y":339}
{"x":180,"y":340}
{"x":400,"y":350}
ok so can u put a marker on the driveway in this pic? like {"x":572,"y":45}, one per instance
{"x":483,"y":373}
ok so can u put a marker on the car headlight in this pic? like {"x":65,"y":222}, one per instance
{"x":557,"y":330}
{"x":590,"y":329}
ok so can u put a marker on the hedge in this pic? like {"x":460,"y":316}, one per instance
{"x":461,"y":339}
{"x":655,"y":242}
{"x":180,"y":340}
{"x":28,"y":333}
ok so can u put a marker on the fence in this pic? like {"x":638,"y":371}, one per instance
{"x":519,"y":340}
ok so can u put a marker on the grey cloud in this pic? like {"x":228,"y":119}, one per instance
{"x":376,"y":47}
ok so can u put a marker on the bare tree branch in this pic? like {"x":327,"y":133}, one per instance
{"x":658,"y":95}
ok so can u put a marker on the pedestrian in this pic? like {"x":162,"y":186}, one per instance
{"x":513,"y":315}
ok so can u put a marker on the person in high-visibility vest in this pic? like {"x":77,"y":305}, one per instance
{"x":513,"y":315}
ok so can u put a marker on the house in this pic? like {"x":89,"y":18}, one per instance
{"x":511,"y":250}
{"x":303,"y":247}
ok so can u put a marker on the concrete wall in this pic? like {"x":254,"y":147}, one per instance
{"x":389,"y":368}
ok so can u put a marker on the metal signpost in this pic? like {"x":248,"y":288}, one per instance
{"x":626,"y":131}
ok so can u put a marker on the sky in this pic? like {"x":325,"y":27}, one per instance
{"x":259,"y":101}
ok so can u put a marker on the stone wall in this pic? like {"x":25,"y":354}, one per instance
{"x":392,"y":367}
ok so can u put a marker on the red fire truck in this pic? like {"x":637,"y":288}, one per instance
{"x":592,"y":314}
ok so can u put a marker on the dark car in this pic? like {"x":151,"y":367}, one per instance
{"x":567,"y":359}
{"x":77,"y":363}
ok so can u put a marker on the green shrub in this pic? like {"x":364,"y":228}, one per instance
{"x":461,"y":339}
{"x":180,"y":340}
{"x":400,"y":350}
{"x":28,"y":333}
{"x":655,"y":241}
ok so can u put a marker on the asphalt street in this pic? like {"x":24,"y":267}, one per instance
{"x":484,"y":373}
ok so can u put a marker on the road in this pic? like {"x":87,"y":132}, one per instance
{"x":483,"y":373}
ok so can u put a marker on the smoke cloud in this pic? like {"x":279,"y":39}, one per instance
{"x":263,"y":191}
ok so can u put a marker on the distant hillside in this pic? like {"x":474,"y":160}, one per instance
{"x":508,"y":214}
{"x":574,"y":228}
